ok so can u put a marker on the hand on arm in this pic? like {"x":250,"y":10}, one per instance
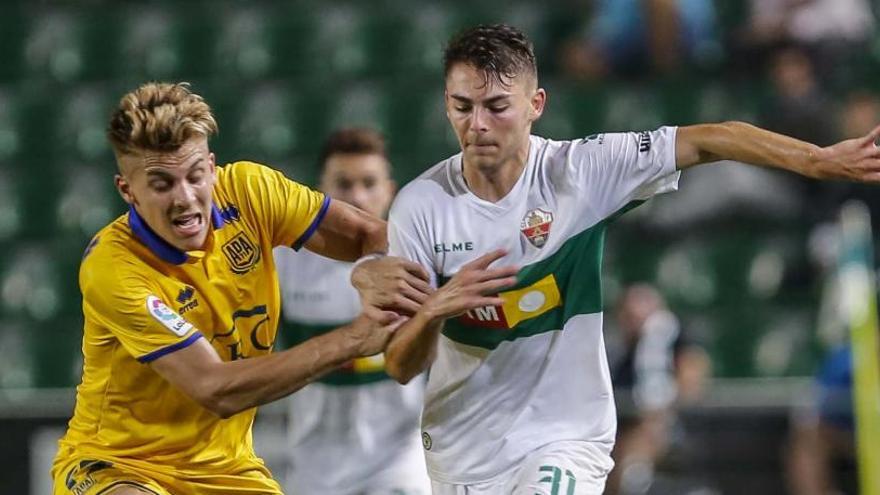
{"x":391,"y":283}
{"x":229,"y":387}
{"x":853,"y":159}
{"x":414,"y":345}
{"x":346,"y":233}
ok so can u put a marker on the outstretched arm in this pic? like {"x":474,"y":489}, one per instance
{"x":414,"y":345}
{"x":854,"y":159}
{"x":228,"y":387}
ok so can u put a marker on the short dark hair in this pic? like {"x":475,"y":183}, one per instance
{"x":355,"y":141}
{"x":502,"y":52}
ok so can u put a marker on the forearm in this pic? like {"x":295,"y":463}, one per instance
{"x":348,"y":233}
{"x":247,"y":383}
{"x":374,"y":238}
{"x":413,"y":347}
{"x":745,"y":143}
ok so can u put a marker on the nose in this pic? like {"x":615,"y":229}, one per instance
{"x":478,"y":120}
{"x":359,"y":196}
{"x":184,"y":195}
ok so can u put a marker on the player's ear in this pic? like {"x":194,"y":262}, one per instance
{"x":538,"y":100}
{"x":124,"y":188}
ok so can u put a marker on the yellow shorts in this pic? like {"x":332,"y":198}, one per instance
{"x":83,"y":476}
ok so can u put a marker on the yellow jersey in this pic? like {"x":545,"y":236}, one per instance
{"x":143,"y":299}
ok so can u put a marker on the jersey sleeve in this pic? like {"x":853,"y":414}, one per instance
{"x":616,"y":169}
{"x":404,"y":238}
{"x":287,"y":211}
{"x":124,"y":302}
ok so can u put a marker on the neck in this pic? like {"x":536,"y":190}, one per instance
{"x":492,"y":182}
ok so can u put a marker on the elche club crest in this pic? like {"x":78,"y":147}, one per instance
{"x":536,"y":226}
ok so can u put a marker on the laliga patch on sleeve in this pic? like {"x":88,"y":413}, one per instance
{"x":164,"y":315}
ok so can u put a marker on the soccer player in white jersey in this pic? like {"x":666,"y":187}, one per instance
{"x":355,"y":431}
{"x":519,"y":398}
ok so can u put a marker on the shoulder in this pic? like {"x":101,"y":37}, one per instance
{"x":109,"y":261}
{"x":243,"y":172}
{"x":432,"y":187}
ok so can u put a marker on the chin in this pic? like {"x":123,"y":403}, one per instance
{"x":192,"y":244}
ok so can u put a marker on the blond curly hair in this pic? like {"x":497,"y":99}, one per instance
{"x":159,"y":117}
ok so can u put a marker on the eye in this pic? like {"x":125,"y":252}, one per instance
{"x":369,"y":183}
{"x":463,"y":108}
{"x":196,"y":176}
{"x":160,"y":185}
{"x":498,"y":108}
{"x":344,"y":185}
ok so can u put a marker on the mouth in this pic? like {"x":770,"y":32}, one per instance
{"x":483,"y":145}
{"x":188,"y":225}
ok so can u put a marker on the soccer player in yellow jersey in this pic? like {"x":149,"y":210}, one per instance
{"x":181,"y":306}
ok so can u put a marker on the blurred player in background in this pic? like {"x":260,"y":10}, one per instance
{"x":354,"y":431}
{"x":519,"y":396}
{"x":659,"y":368}
{"x":822,"y":454}
{"x":181,"y":306}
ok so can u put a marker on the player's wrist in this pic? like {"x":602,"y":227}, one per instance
{"x":368,"y":257}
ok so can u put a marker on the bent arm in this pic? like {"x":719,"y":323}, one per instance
{"x":742,"y":142}
{"x":346,"y":233}
{"x":229,"y":387}
{"x":413,"y":347}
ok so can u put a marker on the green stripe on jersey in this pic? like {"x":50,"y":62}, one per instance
{"x":576,"y":270}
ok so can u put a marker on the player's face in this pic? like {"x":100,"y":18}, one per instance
{"x":172,"y":191}
{"x":359,"y":179}
{"x":491,"y":120}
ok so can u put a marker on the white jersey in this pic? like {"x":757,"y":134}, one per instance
{"x":510,"y":379}
{"x":356,"y":421}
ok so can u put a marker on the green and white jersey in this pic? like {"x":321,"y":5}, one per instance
{"x":510,"y":379}
{"x":356,"y":421}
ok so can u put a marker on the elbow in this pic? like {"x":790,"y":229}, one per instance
{"x":404,"y":370}
{"x":212,"y":396}
{"x":222,"y":411}
{"x":398,"y":372}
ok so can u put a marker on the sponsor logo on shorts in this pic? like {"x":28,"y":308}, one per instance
{"x":168,"y":318}
{"x":241,"y":253}
{"x":79,"y":479}
{"x":427,"y":443}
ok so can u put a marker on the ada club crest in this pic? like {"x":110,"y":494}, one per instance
{"x":536,"y":226}
{"x":241,"y":253}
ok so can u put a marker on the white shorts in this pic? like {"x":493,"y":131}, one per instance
{"x":406,"y":475}
{"x":560,"y":468}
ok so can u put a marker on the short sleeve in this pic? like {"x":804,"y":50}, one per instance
{"x":403,"y":238}
{"x":135,"y":313}
{"x":289,"y":211}
{"x":615,"y":169}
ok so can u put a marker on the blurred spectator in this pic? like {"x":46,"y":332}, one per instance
{"x":658,"y":370}
{"x":810,"y":21}
{"x":834,"y":31}
{"x":631,"y":37}
{"x":798,"y":106}
{"x":821,"y":457}
{"x":861,"y":113}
